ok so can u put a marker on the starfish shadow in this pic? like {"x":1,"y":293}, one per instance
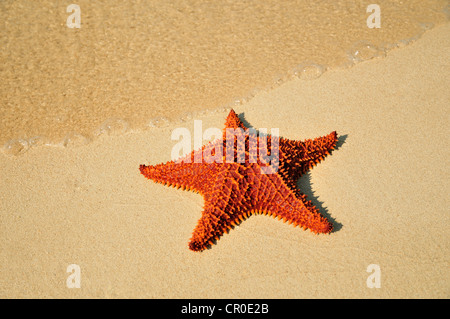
{"x":244,"y":121}
{"x":340,"y":141}
{"x":304,"y":184}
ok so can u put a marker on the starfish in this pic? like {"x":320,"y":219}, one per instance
{"x":235,"y":190}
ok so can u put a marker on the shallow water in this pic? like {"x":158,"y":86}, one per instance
{"x":147,"y":63}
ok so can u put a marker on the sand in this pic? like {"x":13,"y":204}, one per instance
{"x":385,"y":188}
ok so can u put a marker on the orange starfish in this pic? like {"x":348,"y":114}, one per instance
{"x":234,"y":190}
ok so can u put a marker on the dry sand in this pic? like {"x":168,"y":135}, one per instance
{"x":385,"y":188}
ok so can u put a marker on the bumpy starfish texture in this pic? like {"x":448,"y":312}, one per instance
{"x":233,"y":191}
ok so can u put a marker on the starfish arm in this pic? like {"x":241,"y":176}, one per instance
{"x":191,"y":176}
{"x":190,"y":172}
{"x":207,"y":229}
{"x":225,"y":206}
{"x":291,"y":206}
{"x":318,"y":148}
{"x":233,"y":121}
{"x":297,"y":157}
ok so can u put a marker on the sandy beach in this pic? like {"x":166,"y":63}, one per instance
{"x":385,"y":188}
